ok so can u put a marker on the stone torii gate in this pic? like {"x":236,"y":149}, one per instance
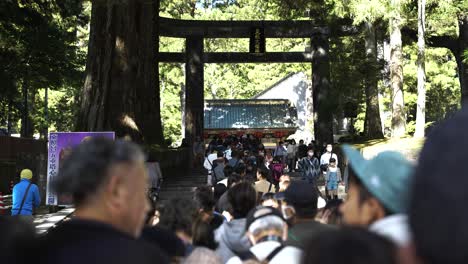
{"x":194,"y":31}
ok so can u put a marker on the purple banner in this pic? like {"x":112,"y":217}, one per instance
{"x":60,"y":146}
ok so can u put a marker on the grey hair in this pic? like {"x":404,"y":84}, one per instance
{"x":267,"y":223}
{"x":87,"y":167}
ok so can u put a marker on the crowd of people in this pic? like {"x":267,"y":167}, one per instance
{"x":394,"y":211}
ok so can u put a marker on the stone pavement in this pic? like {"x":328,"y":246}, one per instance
{"x":43,"y":222}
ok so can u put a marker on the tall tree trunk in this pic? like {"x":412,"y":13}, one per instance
{"x":322,"y":101}
{"x":121,"y":90}
{"x":10,"y":109}
{"x":463,"y":64}
{"x":421,"y":103}
{"x":182,"y":107}
{"x":373,"y":123}
{"x":27,"y":128}
{"x":396,"y":72}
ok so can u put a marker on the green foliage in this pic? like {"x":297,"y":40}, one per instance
{"x":43,"y":45}
{"x":39,"y":47}
{"x":442,"y":85}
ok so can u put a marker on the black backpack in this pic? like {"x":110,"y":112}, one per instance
{"x":248,"y":255}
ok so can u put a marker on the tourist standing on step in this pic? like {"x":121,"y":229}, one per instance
{"x":291,"y":150}
{"x":25,"y":195}
{"x":309,"y":167}
{"x":209,"y":165}
{"x":326,"y":157}
{"x":281,"y":152}
{"x":301,"y":150}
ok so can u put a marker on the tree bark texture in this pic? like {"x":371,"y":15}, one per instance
{"x":322,"y":103}
{"x":194,"y":92}
{"x":396,"y":72}
{"x":421,"y":102}
{"x":27,"y":124}
{"x":373,"y":123}
{"x":121,"y":90}
{"x":463,"y":64}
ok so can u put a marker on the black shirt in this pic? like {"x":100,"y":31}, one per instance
{"x":83,"y":241}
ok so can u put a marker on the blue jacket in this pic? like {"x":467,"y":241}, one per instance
{"x":32,"y":198}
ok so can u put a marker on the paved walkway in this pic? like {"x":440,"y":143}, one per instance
{"x":46,"y":221}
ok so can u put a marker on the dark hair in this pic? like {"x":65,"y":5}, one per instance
{"x":335,"y":217}
{"x":220,"y":154}
{"x":228,"y":170}
{"x":240,"y":168}
{"x":219,"y":190}
{"x":242,"y":198}
{"x":303,"y":196}
{"x":87,"y":167}
{"x":177,"y":214}
{"x":234,"y":153}
{"x":263,"y":172}
{"x":233,"y":178}
{"x":260,"y":160}
{"x":363,"y":192}
{"x":267,"y":196}
{"x":203,"y":235}
{"x":355,"y":246}
{"x":203,"y":197}
{"x":306,"y":210}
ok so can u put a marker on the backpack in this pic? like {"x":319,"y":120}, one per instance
{"x":214,"y":179}
{"x":251,"y":256}
{"x":276,"y":171}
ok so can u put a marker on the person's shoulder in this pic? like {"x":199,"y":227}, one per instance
{"x":289,"y":254}
{"x":234,"y":260}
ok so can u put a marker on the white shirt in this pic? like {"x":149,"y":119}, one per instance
{"x":223,"y":182}
{"x":228,"y":154}
{"x":209,"y":161}
{"x":287,"y":255}
{"x":325,"y":159}
{"x":394,"y":227}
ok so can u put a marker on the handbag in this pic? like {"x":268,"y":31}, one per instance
{"x":324,"y":167}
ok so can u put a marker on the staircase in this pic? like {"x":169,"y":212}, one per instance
{"x":181,"y":184}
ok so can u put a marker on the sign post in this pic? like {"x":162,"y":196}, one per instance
{"x":60,"y":146}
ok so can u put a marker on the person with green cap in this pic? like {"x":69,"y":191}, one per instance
{"x":25,"y":195}
{"x":378,"y":194}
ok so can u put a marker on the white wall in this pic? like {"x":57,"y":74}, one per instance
{"x":293,"y":89}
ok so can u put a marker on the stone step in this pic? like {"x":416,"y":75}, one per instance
{"x":180,"y":185}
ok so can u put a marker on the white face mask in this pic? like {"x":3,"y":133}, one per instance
{"x":329,"y":149}
{"x":310,"y":154}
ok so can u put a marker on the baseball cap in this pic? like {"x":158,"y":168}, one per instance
{"x":320,"y":202}
{"x":387,"y":176}
{"x":26,"y":174}
{"x":260,"y":212}
{"x":301,"y":193}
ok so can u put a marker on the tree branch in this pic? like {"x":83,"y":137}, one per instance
{"x":445,"y":41}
